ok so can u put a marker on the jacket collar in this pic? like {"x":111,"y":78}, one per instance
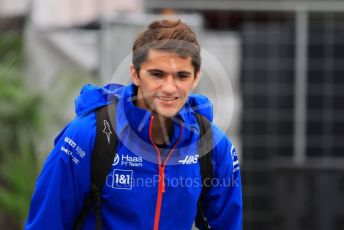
{"x":138,"y":119}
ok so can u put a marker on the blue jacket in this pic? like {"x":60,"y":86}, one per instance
{"x":133,"y":196}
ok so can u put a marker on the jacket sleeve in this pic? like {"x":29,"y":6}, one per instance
{"x":65,"y":178}
{"x":223,"y":202}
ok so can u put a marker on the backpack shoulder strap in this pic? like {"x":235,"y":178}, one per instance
{"x":102,"y":158}
{"x":205,"y":149}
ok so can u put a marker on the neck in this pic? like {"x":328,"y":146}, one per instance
{"x":162,"y":129}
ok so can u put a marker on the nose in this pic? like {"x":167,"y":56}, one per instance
{"x":169,"y":85}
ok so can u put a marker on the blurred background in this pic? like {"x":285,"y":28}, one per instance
{"x":284,"y":60}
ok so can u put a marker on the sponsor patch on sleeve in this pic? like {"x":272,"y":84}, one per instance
{"x":235,"y":159}
{"x":71,"y":148}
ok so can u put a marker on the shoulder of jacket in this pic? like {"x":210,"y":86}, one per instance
{"x":80,"y":126}
{"x":221,"y":142}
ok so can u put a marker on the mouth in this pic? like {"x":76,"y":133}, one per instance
{"x":167,"y":99}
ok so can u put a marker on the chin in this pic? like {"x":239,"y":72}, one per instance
{"x":167,"y":115}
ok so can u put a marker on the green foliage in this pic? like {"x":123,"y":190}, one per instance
{"x":18,"y":110}
{"x":19,"y":171}
{"x":19,"y":124}
{"x":11,"y":49}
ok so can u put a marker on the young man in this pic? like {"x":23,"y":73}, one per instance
{"x":155,"y":180}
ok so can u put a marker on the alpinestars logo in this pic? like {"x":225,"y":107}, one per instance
{"x":189,"y":160}
{"x":107,"y":130}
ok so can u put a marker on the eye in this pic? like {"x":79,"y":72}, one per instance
{"x":182,"y":75}
{"x":157,"y":74}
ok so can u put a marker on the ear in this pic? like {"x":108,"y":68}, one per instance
{"x":196,"y":80}
{"x":134,"y":75}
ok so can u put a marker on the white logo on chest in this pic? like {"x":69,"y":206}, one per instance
{"x":189,"y":160}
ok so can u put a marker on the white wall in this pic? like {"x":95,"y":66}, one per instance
{"x":10,"y":8}
{"x":61,"y":13}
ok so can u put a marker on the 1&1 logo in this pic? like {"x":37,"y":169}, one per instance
{"x":122,"y":179}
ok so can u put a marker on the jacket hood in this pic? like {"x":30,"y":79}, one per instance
{"x":92,"y":97}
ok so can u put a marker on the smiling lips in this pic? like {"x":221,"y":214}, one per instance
{"x":167,"y":100}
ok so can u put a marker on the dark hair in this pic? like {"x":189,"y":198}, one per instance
{"x":167,"y":35}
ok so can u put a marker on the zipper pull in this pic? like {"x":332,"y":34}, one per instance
{"x":162,"y":174}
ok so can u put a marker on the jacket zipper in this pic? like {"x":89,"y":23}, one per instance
{"x":162,"y":165}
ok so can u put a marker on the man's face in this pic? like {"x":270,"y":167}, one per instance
{"x":164,"y":82}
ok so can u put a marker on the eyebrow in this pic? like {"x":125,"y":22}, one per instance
{"x":161,"y":71}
